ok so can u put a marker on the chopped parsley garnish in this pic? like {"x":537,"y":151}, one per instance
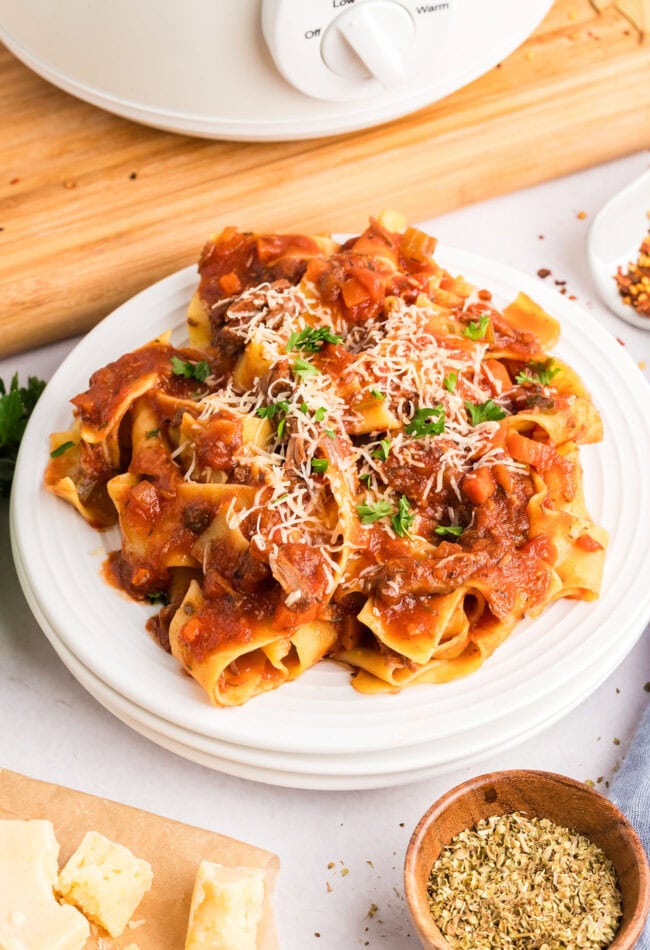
{"x":384,"y":449}
{"x":476,"y":330}
{"x":330,"y":432}
{"x":16,"y":407}
{"x":319,"y":465}
{"x":199,"y":371}
{"x":312,"y":339}
{"x":152,"y":433}
{"x":449,"y":382}
{"x":272,"y":410}
{"x":304,"y":369}
{"x":320,"y":413}
{"x":429,"y":421}
{"x":371,"y":513}
{"x":60,"y":449}
{"x":540,"y":374}
{"x":367,"y":478}
{"x":377,"y":394}
{"x":159,"y":598}
{"x":304,"y":407}
{"x":452,"y":529}
{"x":485,"y":412}
{"x":281,"y":498}
{"x":403,"y":518}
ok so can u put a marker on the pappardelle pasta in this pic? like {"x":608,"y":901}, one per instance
{"x":356,"y":456}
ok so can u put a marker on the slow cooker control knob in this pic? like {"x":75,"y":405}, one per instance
{"x":372,"y":40}
{"x":364,"y":50}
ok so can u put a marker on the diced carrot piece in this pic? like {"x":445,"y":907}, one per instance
{"x":499,"y":373}
{"x":479,"y":485}
{"x":230,"y":283}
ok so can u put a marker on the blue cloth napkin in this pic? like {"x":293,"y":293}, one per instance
{"x":631,"y":793}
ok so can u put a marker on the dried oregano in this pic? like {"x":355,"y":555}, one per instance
{"x":526,"y":884}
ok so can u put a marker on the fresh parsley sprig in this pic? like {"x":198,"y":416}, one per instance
{"x":370,"y":513}
{"x":484,"y":412}
{"x":304,"y":369}
{"x":312,"y":339}
{"x":427,"y":421}
{"x":453,"y":530}
{"x":476,"y":330}
{"x":383,"y":450}
{"x":16,"y":406}
{"x":274,"y":409}
{"x":188,"y":370}
{"x":449,"y":382}
{"x":540,"y":374}
{"x":319,"y":465}
{"x":403,"y":518}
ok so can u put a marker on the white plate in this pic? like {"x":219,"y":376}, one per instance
{"x":325,"y":773}
{"x":548,"y":662}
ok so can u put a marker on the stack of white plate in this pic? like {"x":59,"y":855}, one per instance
{"x":318,"y":732}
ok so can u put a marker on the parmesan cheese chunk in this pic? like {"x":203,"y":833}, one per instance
{"x":105,"y":881}
{"x":226,"y":908}
{"x":30,"y":918}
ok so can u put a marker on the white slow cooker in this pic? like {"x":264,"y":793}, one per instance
{"x":257,"y":70}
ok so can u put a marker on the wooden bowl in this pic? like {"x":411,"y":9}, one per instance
{"x":540,"y":795}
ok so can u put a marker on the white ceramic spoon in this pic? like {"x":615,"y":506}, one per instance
{"x":614,"y":239}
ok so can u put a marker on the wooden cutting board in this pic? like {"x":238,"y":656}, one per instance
{"x":174,"y":851}
{"x":94,"y":208}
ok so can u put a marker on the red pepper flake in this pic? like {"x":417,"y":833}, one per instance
{"x":540,"y":237}
{"x":618,"y":340}
{"x":563,"y":290}
{"x":634,"y":284}
{"x":561,"y":283}
{"x":543,"y":272}
{"x":572,"y":297}
{"x":484,"y":295}
{"x":581,"y":215}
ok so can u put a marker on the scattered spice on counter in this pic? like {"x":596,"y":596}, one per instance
{"x":581,"y":215}
{"x":345,"y":872}
{"x":373,"y":910}
{"x":647,"y":687}
{"x":514,"y":878}
{"x":634,"y":283}
{"x":590,"y":782}
{"x":328,"y":887}
{"x":330,"y":865}
{"x":543,"y":272}
{"x":616,"y":740}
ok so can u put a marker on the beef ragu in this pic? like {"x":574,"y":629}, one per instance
{"x":356,"y":456}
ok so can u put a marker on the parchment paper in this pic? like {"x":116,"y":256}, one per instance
{"x":174,"y":851}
